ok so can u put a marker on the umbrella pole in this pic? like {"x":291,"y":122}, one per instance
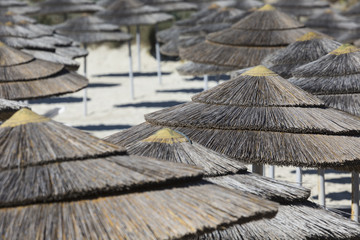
{"x":217,"y":79}
{"x":355,"y":196}
{"x":206,"y":82}
{"x":321,"y":187}
{"x":85,"y":89}
{"x":259,"y":169}
{"x":299,"y":176}
{"x":272,"y":172}
{"x":158,"y":57}
{"x":131,"y":76}
{"x":138,"y":47}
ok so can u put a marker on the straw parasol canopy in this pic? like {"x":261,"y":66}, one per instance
{"x":24,"y":77}
{"x":66,"y":7}
{"x":18,"y":7}
{"x":353,"y":12}
{"x":307,"y":48}
{"x":91,"y":29}
{"x":248,"y":41}
{"x":248,"y":4}
{"x":171,"y":5}
{"x":39,"y":40}
{"x":133,"y":12}
{"x":302,"y":7}
{"x":8,"y":108}
{"x":342,"y":28}
{"x":166,"y":144}
{"x":259,"y":108}
{"x":188,"y":36}
{"x":86,"y":188}
{"x":334,"y":78}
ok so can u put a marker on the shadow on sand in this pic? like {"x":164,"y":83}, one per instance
{"x":315,"y":171}
{"x":151,"y":104}
{"x":184,"y":90}
{"x":102,"y":127}
{"x":101,"y":85}
{"x":136,"y":74}
{"x":210,"y":78}
{"x":56,"y":100}
{"x":337,"y":196}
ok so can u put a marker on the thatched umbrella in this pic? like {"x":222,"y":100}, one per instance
{"x":353,"y":12}
{"x":85,"y":188}
{"x":248,"y":4}
{"x":248,"y":41}
{"x":24,"y":77}
{"x":8,"y":108}
{"x":134,"y":13}
{"x":171,"y":5}
{"x":297,"y":218}
{"x":49,"y":7}
{"x":307,"y":48}
{"x":90,"y":30}
{"x":258,"y":113}
{"x":39,"y":40}
{"x":18,"y":7}
{"x":342,"y":28}
{"x":302,"y":7}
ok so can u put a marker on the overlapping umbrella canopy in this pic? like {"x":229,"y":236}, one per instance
{"x":171,"y":5}
{"x":104,"y":193}
{"x":39,"y":40}
{"x":302,"y":7}
{"x":306,"y":49}
{"x":22,"y":76}
{"x":8,"y":108}
{"x":15,"y":6}
{"x":48,"y":7}
{"x":334,"y":78}
{"x":248,"y":41}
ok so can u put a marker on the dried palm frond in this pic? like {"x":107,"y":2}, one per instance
{"x":94,"y":192}
{"x":255,"y":36}
{"x":307,"y":48}
{"x":302,"y":7}
{"x":24,"y":77}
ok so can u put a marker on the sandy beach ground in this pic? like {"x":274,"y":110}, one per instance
{"x":110,"y":108}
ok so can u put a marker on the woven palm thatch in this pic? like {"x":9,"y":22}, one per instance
{"x":333,"y":78}
{"x":333,"y":24}
{"x":261,"y":109}
{"x":24,"y":77}
{"x":171,"y":5}
{"x":308,"y":48}
{"x":133,"y":12}
{"x":12,"y":17}
{"x":198,"y":69}
{"x":91,"y":29}
{"x":172,"y":146}
{"x":99,"y":194}
{"x":8,"y":108}
{"x":248,"y":41}
{"x":66,"y":6}
{"x":302,"y":7}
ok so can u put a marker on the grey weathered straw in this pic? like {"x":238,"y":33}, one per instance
{"x":248,"y":4}
{"x":24,"y":77}
{"x":171,"y":5}
{"x":91,"y":29}
{"x":247,"y":42}
{"x":308,"y":48}
{"x":334,"y":78}
{"x":302,"y":7}
{"x":83,"y":191}
{"x":196,"y":69}
{"x":18,"y":7}
{"x":259,"y":108}
{"x":333,"y":24}
{"x":353,"y":12}
{"x":8,"y":108}
{"x":66,"y":6}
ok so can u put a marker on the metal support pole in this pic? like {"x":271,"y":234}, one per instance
{"x":299,"y":176}
{"x":158,"y":57}
{"x":259,"y":169}
{"x":272,"y":172}
{"x":131,"y":76}
{"x":206,"y":82}
{"x":355,"y":196}
{"x":85,"y":89}
{"x":138,"y":46}
{"x":321,"y":187}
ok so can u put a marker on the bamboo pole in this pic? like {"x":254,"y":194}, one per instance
{"x":85,"y":89}
{"x":355,"y":196}
{"x":138,"y":42}
{"x":321,"y":187}
{"x":206,"y":82}
{"x":158,"y":57}
{"x":299,"y":176}
{"x":131,"y":75}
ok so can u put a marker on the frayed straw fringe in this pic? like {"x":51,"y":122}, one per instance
{"x":59,"y":8}
{"x":170,"y":48}
{"x":296,"y":221}
{"x":27,"y":31}
{"x":194,"y":18}
{"x":71,"y":52}
{"x":144,"y":19}
{"x":10,"y":56}
{"x":174,"y":213}
{"x":198,"y":69}
{"x":64,"y":82}
{"x":175,"y":6}
{"x":98,"y":37}
{"x":55,"y":58}
{"x":346,"y":102}
{"x":167,"y":35}
{"x":48,"y":142}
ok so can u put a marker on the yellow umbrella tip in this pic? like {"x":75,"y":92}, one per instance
{"x":23,"y":117}
{"x":310,"y":36}
{"x":266,"y":7}
{"x":214,"y":6}
{"x":259,"y":71}
{"x":345,"y":49}
{"x":166,"y":135}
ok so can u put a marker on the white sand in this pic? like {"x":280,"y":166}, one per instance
{"x":104,"y":112}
